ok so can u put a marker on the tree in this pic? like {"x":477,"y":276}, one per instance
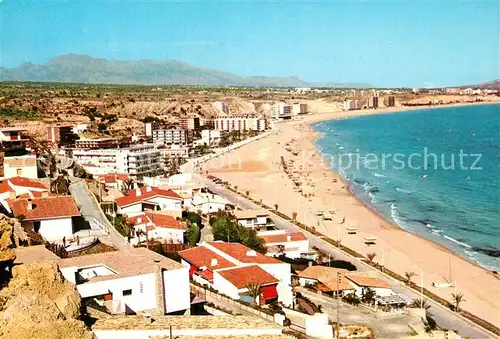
{"x":254,"y":290}
{"x":420,"y":303}
{"x":352,"y":299}
{"x":123,"y":226}
{"x":409,"y":275}
{"x":225,"y":227}
{"x":127,"y":185}
{"x":457,"y":300}
{"x":370,"y":257}
{"x":247,"y":193}
{"x":276,"y":207}
{"x":368,"y":296}
{"x":193,"y":234}
{"x":60,"y":185}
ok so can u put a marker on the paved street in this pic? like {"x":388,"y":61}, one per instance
{"x":395,"y":327}
{"x":92,"y":212}
{"x":443,"y":316}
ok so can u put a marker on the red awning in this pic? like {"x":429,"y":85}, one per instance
{"x":192,"y":269}
{"x":269,"y":292}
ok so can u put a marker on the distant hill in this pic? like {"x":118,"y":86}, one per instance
{"x":494,"y":84}
{"x":85,"y":69}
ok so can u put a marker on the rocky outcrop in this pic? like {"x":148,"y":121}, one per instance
{"x":38,"y":303}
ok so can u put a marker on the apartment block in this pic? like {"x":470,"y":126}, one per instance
{"x":96,"y":143}
{"x":61,"y":135}
{"x":173,"y":136}
{"x":389,"y":101}
{"x":282,"y":110}
{"x":373,"y":102}
{"x":240,"y":123}
{"x":299,"y":108}
{"x":191,"y":123}
{"x":135,"y":161}
{"x":221,"y":106}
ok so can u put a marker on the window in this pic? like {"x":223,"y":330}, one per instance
{"x":19,"y":171}
{"x":141,"y":287}
{"x":127,"y":292}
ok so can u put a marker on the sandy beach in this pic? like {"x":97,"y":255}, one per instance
{"x":257,"y":168}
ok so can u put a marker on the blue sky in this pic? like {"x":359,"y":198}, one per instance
{"x":384,"y":43}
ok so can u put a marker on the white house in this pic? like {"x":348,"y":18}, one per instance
{"x":129,"y":281}
{"x":24,"y":165}
{"x":158,"y":226}
{"x":225,"y":267}
{"x":254,"y":219}
{"x":51,"y":216}
{"x":328,"y":280}
{"x":362,"y":282}
{"x":280,"y":242}
{"x":150,"y":199}
{"x":208,"y":203}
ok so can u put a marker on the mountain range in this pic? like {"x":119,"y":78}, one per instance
{"x":73,"y":68}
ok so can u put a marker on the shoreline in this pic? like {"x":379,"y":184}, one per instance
{"x":377,"y":213}
{"x":397,"y":249}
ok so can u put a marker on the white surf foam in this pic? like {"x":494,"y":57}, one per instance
{"x":457,"y":241}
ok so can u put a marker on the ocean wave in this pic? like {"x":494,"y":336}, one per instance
{"x":458,"y":242}
{"x":436,"y":231}
{"x":482,"y":261}
{"x":403,"y":191}
{"x":378,"y":175}
{"x":395,"y":216}
{"x":341,"y":147}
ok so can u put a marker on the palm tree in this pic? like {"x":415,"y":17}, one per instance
{"x":294,"y":216}
{"x":420,"y":303}
{"x":247,"y":193}
{"x":370,"y":257}
{"x":409,"y":275}
{"x":254,"y":290}
{"x":275,"y":207}
{"x":457,"y":299}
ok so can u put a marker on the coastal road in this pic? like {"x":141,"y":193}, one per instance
{"x":443,"y":316}
{"x":91,"y":211}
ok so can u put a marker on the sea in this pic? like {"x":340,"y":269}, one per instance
{"x":434,"y":172}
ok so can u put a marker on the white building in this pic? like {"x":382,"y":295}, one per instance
{"x":174,"y":151}
{"x":149,"y":199}
{"x":115,"y":181}
{"x":222,"y":107}
{"x":172,"y":136}
{"x":282,"y":110}
{"x":299,"y":108}
{"x":24,"y":166}
{"x":350,"y":105}
{"x":207,"y":203}
{"x":51,"y":216}
{"x":362,"y":282}
{"x":280,"y":242}
{"x":210,"y":137}
{"x":159,"y":226}
{"x":130,"y":280}
{"x":135,"y":161}
{"x":244,"y":122}
{"x":254,"y":219}
{"x":231,"y":268}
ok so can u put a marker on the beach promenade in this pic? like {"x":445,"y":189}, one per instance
{"x":257,"y":168}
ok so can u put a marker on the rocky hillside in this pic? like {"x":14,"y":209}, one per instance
{"x":38,"y":303}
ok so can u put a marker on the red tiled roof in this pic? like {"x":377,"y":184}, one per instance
{"x":164,"y":220}
{"x":26,"y":182}
{"x":240,"y":253}
{"x":206,"y":274}
{"x":113,"y":178}
{"x":241,"y":277}
{"x":281,"y":238}
{"x":36,"y":194}
{"x":5,"y":187}
{"x":368,"y":281}
{"x":146,"y":193}
{"x":202,"y":256}
{"x":61,"y":206}
{"x":156,"y":220}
